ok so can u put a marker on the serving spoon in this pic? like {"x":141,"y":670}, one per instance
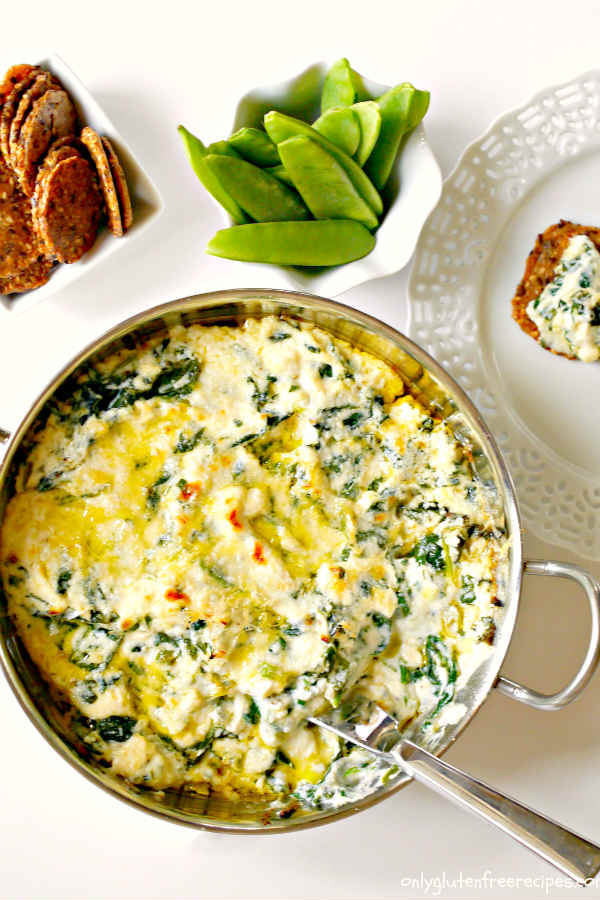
{"x":569,"y":852}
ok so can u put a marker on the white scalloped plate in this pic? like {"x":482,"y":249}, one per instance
{"x":534,"y":165}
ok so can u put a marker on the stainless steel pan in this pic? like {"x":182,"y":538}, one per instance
{"x":433,"y":386}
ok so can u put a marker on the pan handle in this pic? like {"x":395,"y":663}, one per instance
{"x":573,"y":689}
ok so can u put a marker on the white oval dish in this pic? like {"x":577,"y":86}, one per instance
{"x":146,"y":200}
{"x":414,"y":190}
{"x":535,"y":165}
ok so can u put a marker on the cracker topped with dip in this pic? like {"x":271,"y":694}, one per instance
{"x":558,"y":299}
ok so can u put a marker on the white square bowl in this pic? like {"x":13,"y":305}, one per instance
{"x":146,"y":200}
{"x":412,"y":192}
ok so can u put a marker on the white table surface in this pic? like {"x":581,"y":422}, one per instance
{"x":152,"y":66}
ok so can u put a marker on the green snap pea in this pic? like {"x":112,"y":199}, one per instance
{"x":341,"y":127}
{"x":281,"y":127}
{"x":197,"y":154}
{"x":317,"y":242}
{"x":222,"y":148}
{"x":369,"y":118}
{"x":338,"y":87}
{"x":261,"y":196}
{"x":401,"y":108}
{"x":255,"y":146}
{"x":322,"y":182}
{"x":281,"y":173}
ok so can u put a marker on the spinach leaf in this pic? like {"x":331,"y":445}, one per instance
{"x":384,"y":625}
{"x":47,"y":482}
{"x":441,"y":670}
{"x":99,"y":393}
{"x":154,"y":493}
{"x":253,"y":714}
{"x":403,"y":607}
{"x":429,"y":551}
{"x":93,"y":648}
{"x":116,"y":728}
{"x":352,"y":420}
{"x":245,"y":439}
{"x":177,"y":381}
{"x":261,"y":397}
{"x":350,"y":490}
{"x":101,"y":610}
{"x":185,"y":443}
{"x":63,"y":580}
{"x":467,"y":594}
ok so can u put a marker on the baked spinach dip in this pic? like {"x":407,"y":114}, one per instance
{"x":216,"y":534}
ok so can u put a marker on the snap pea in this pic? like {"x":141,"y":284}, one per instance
{"x":324,"y":242}
{"x":280,"y":172}
{"x":338,"y":87}
{"x":255,"y":146}
{"x":401,"y":109}
{"x":369,"y":118}
{"x":322,"y":182}
{"x":341,"y":127}
{"x":197,"y":154}
{"x":222,"y":148}
{"x":259,"y":194}
{"x":280,"y":127}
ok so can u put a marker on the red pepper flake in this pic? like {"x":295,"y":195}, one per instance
{"x":233,"y":518}
{"x":223,"y":621}
{"x":325,"y":638}
{"x":126,"y":624}
{"x":12,"y":559}
{"x":338,"y":571}
{"x":174,"y":594}
{"x":183,"y":519}
{"x":54,"y":612}
{"x":188,"y":490}
{"x":258,"y":553}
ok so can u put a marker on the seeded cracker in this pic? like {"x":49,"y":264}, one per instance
{"x":52,"y":116}
{"x":61,"y":149}
{"x":42,"y":83}
{"x":9,"y":109}
{"x":33,"y":277}
{"x":72,"y":205}
{"x":94,"y":144}
{"x":120,"y":183}
{"x":19,"y":244}
{"x":14,"y":75}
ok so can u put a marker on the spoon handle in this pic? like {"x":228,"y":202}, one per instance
{"x":569,"y":852}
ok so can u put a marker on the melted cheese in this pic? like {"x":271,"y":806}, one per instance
{"x":215,"y":536}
